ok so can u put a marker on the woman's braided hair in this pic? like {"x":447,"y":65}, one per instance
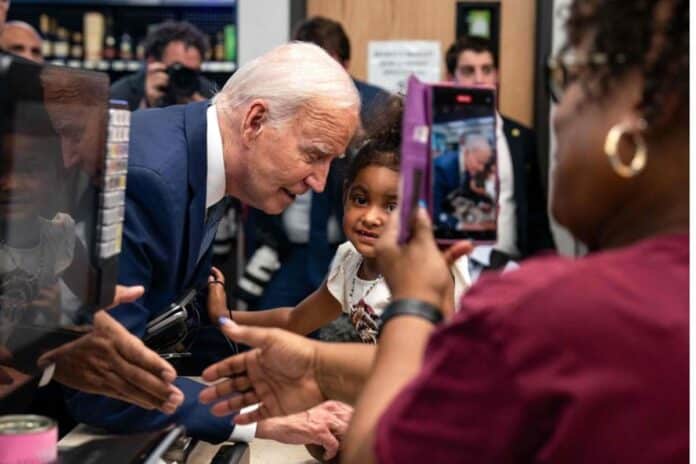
{"x":634,"y":34}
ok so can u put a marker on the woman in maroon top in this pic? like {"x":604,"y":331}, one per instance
{"x":565,"y":361}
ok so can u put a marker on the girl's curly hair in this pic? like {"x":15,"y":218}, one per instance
{"x":381,"y":145}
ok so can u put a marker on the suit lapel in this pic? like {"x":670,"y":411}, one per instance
{"x":195,"y":127}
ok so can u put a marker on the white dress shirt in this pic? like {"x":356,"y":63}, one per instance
{"x":215,"y":191}
{"x":507,"y":222}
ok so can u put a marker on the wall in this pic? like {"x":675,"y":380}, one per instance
{"x":366,"y":20}
{"x":263,"y":24}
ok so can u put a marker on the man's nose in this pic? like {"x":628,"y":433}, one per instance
{"x":317,"y":179}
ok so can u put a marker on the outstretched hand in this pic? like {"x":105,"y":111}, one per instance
{"x":278,"y":373}
{"x":111,"y":361}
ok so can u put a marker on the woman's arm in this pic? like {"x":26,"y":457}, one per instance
{"x":417,"y":271}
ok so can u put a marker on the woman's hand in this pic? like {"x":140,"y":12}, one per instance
{"x":418,"y":269}
{"x":279,"y":372}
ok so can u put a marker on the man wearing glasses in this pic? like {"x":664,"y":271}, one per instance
{"x":523,"y":225}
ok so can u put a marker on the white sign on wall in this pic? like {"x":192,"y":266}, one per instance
{"x":389,"y":63}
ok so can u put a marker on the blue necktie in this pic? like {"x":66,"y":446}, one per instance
{"x":213,"y":216}
{"x":319,"y":254}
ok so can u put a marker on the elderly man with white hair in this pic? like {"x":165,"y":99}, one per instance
{"x":268,"y":136}
{"x":21,"y":39}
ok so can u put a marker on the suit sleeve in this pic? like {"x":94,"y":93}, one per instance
{"x":539,"y":231}
{"x":149,"y":239}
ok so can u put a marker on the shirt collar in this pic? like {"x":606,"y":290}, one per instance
{"x":215,"y":175}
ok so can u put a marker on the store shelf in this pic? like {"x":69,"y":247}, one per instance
{"x":133,"y":65}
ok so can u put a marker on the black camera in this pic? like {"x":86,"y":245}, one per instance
{"x":183,"y":83}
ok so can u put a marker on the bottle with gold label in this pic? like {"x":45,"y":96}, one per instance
{"x":46,"y":43}
{"x":61,"y":47}
{"x":77,"y":50}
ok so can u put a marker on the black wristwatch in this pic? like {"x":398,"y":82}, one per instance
{"x":411,"y":307}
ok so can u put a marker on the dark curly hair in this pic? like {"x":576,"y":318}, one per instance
{"x":651,"y":36}
{"x":464,"y":43}
{"x":326,"y":33}
{"x":174,"y":31}
{"x":381,"y":145}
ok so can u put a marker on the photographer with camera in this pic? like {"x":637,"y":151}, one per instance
{"x":174,"y":52}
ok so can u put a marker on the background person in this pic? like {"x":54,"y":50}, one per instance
{"x":21,"y":39}
{"x":561,"y":352}
{"x":167,"y":44}
{"x":523,"y":226}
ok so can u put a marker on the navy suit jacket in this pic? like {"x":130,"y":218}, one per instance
{"x":163,"y":229}
{"x":533,"y":231}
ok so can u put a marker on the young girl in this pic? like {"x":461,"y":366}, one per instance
{"x":353,"y":285}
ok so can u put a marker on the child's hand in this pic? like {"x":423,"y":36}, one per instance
{"x":217,"y":297}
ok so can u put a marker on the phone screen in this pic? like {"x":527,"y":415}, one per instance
{"x":464,"y":198}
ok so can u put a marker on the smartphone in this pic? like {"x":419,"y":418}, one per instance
{"x":449,"y":161}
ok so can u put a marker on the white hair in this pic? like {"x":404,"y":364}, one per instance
{"x":477,"y":142}
{"x":288,"y":78}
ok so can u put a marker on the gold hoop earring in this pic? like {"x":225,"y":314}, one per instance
{"x":611,"y":149}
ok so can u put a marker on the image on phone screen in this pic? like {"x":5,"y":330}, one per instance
{"x":464,"y":164}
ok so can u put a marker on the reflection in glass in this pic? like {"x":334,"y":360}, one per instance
{"x":52,"y":133}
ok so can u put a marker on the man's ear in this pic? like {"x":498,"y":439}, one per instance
{"x":254,"y":121}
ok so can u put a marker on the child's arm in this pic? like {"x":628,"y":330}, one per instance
{"x":315,"y":311}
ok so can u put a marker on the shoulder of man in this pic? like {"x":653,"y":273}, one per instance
{"x":130,"y":88}
{"x":513,"y":128}
{"x":157,"y":137}
{"x":208,"y":87}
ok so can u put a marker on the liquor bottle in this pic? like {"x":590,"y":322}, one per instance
{"x":231,"y":42}
{"x":219,"y":51}
{"x":126,"y":47}
{"x":109,"y":51}
{"x":209,"y":53}
{"x":46,"y":42}
{"x":61,"y":47}
{"x":140,"y":51}
{"x":93,"y":25}
{"x":77,"y":51}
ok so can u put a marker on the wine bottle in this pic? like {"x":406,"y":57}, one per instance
{"x":109,"y":51}
{"x":61,"y":47}
{"x":77,"y":50}
{"x":126,"y":47}
{"x":46,"y":42}
{"x":219,"y":52}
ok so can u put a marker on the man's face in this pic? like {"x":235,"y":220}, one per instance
{"x":289,"y":160}
{"x":179,"y":52}
{"x":475,"y":69}
{"x":476,"y":159}
{"x":21,"y":41}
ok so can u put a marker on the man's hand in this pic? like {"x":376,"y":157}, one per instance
{"x":111,"y":361}
{"x":279,"y":373}
{"x":324,"y":425}
{"x":418,"y":269}
{"x":156,"y":82}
